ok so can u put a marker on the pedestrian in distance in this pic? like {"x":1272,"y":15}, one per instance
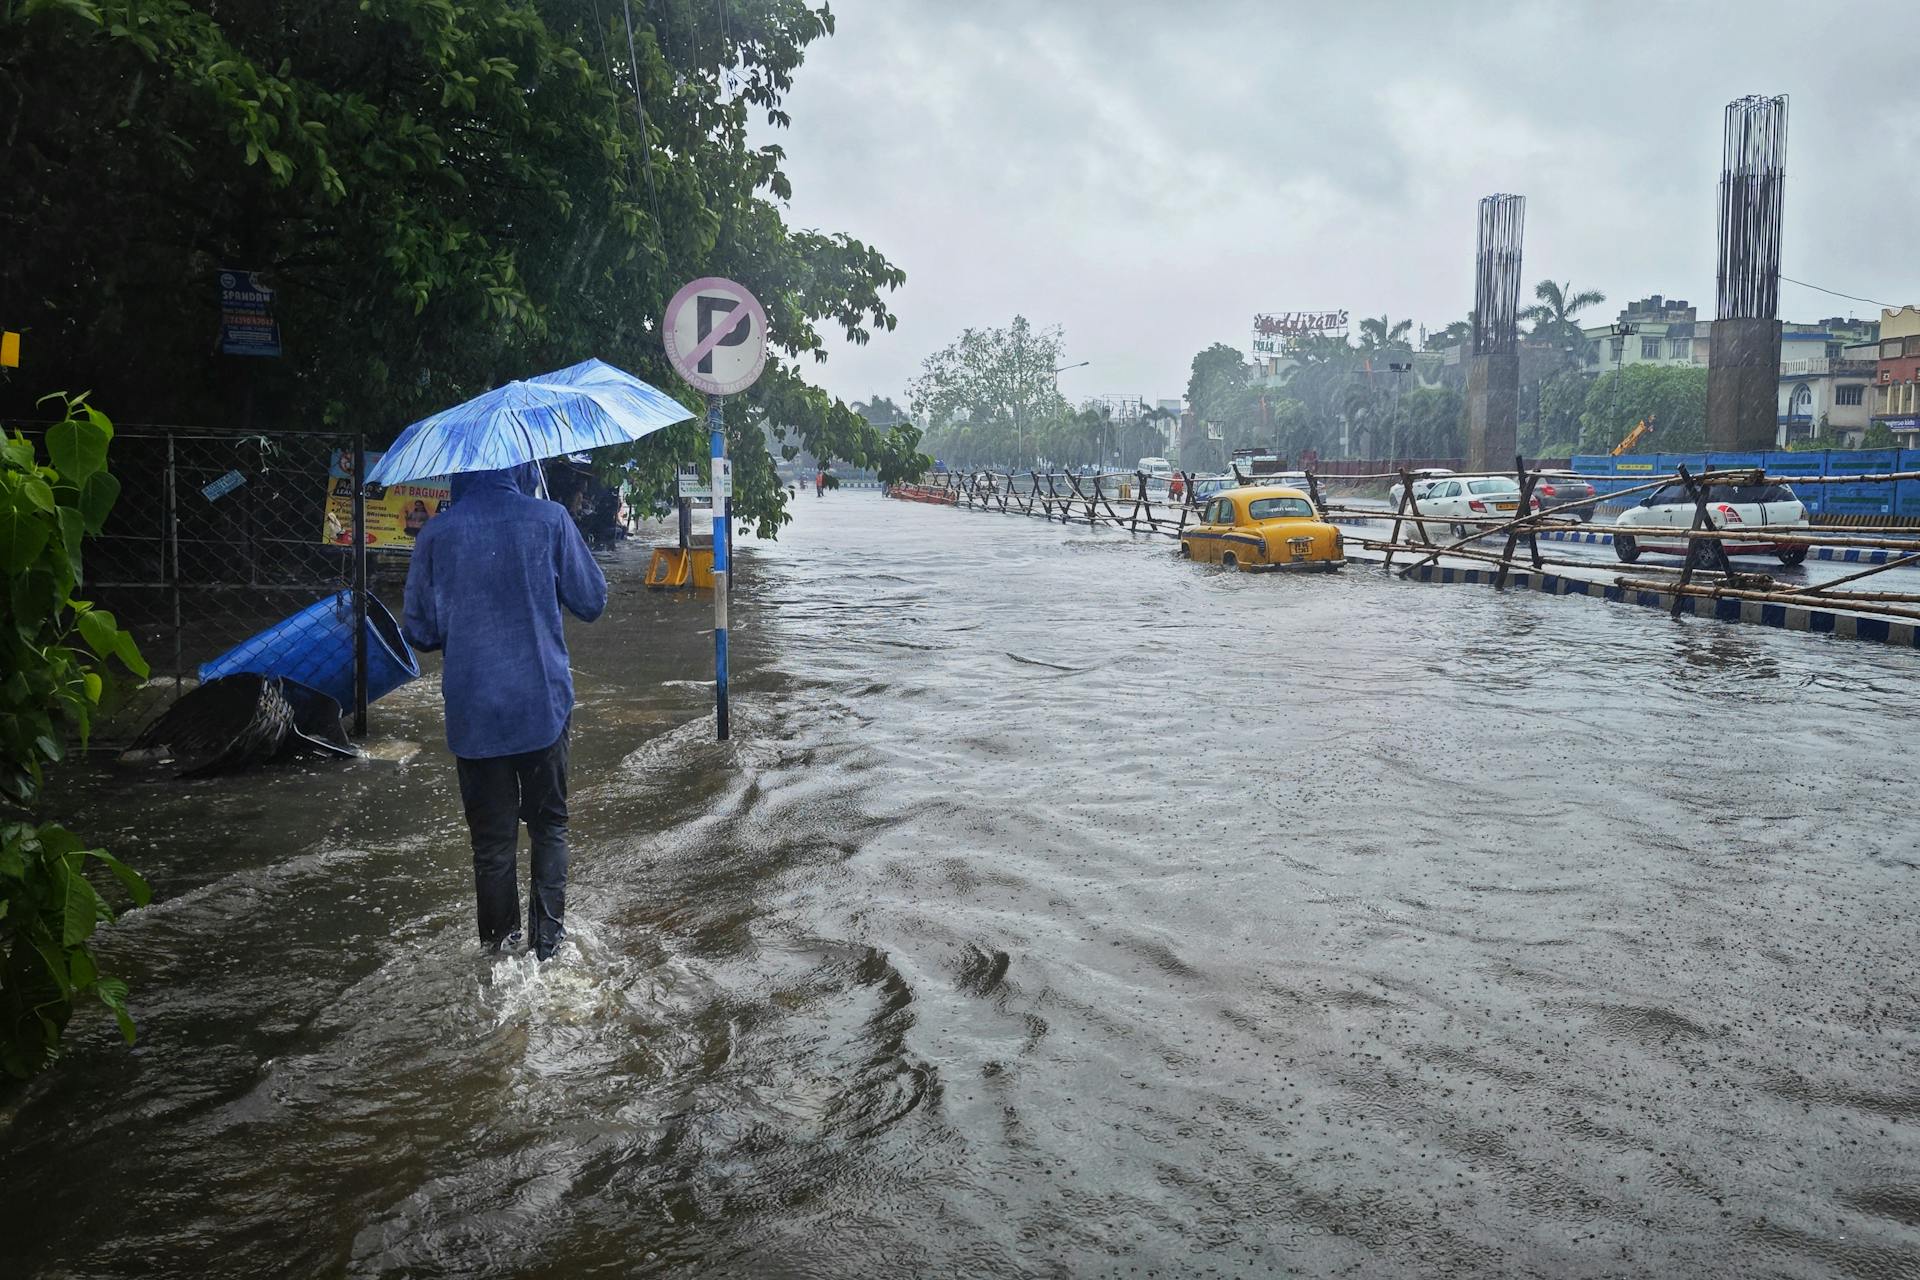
{"x":486,"y":587}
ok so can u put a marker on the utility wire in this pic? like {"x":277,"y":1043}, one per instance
{"x":640,"y":114}
{"x":1836,"y":293}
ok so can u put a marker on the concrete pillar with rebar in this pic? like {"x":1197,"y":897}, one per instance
{"x":1493,"y":376}
{"x":1743,"y":376}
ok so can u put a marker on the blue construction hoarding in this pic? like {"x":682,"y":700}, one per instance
{"x":1860,"y":502}
{"x":1906,"y":494}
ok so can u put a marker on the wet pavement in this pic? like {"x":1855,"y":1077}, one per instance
{"x":1059,"y":909}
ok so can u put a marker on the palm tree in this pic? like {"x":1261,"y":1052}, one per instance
{"x":1381,"y":334}
{"x":1457,"y":334}
{"x":1553,"y":315}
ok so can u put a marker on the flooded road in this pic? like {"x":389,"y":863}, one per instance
{"x":1059,"y":909}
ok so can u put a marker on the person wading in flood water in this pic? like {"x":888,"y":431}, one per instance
{"x":487,"y":584}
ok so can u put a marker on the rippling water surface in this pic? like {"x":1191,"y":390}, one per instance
{"x":1058,"y":909}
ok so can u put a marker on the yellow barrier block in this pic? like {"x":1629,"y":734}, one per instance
{"x":9,"y":350}
{"x":672,"y":569}
{"x":702,"y":567}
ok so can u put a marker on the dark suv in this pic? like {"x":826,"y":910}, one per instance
{"x":1557,"y":488}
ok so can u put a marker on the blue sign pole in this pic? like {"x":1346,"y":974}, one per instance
{"x":722,"y":500}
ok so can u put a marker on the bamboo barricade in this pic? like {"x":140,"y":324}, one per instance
{"x":1099,"y":500}
{"x":1705,"y":572}
{"x":1069,"y":497}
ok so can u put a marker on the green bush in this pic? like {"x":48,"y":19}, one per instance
{"x":54,"y":650}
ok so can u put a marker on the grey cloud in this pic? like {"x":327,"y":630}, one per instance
{"x":1149,"y":175}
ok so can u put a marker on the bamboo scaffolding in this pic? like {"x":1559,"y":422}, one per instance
{"x":1492,"y":557}
{"x":1715,"y":592}
{"x":1087,"y":498}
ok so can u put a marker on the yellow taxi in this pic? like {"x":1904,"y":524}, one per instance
{"x":1261,"y":527}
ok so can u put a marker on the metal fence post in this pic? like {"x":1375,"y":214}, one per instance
{"x":170,"y":560}
{"x":359,"y":585}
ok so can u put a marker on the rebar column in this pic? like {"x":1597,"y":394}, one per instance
{"x":1493,"y":376}
{"x":1743,"y":375}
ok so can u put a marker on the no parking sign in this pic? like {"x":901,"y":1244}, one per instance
{"x":715,"y":333}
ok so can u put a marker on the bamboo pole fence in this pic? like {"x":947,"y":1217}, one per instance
{"x":1127,"y":500}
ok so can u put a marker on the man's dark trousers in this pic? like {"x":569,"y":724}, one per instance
{"x":499,"y":794}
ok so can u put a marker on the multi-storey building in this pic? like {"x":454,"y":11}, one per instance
{"x":1896,"y":384}
{"x":1663,"y":332}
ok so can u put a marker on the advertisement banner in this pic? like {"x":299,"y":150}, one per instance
{"x":247,"y":326}
{"x":395,"y":513}
{"x":1274,"y":333}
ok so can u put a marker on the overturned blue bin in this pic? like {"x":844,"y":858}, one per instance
{"x":315,"y":647}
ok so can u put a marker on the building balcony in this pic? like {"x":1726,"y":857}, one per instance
{"x":1823,"y":366}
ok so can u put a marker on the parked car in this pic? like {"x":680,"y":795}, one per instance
{"x":1730,"y":505}
{"x":1423,"y":480}
{"x":1554,"y":490}
{"x":1205,"y":487}
{"x":1291,"y":479}
{"x":1459,"y":499}
{"x":1256,"y":527}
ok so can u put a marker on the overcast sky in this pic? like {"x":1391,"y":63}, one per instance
{"x":1149,"y":175}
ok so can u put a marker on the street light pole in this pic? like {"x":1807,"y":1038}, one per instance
{"x":1062,"y":369}
{"x":1393,"y":433}
{"x":1621,"y":332}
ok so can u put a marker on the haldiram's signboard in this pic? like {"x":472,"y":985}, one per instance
{"x":1274,"y":332}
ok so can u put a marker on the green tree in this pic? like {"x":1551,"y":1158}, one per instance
{"x":445,"y":195}
{"x":998,"y":384}
{"x":1675,"y":397}
{"x":1432,"y":423}
{"x":1557,"y":430}
{"x":1878,"y":436}
{"x":1379,"y":335}
{"x":55,"y":648}
{"x":1215,"y":386}
{"x":881,"y":411}
{"x":1553,"y":315}
{"x":1321,"y":380}
{"x":1146,"y":436}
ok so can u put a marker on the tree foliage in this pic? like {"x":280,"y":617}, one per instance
{"x":1331,"y":390}
{"x":1379,"y":335}
{"x":1553,"y":315}
{"x":1217,"y":384}
{"x":989,"y":395}
{"x":55,"y":651}
{"x":444,"y":194}
{"x":1676,"y":397}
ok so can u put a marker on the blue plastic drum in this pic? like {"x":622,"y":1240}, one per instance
{"x":315,"y":647}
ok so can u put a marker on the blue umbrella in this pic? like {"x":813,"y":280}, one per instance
{"x":583,"y":406}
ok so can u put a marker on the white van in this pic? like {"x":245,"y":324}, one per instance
{"x":1156,"y":468}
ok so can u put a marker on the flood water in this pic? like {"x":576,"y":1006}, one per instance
{"x":1059,"y":909}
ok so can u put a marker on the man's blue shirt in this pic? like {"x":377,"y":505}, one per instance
{"x":487,"y":583}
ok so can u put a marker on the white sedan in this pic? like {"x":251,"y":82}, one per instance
{"x":1731,"y":506}
{"x":1423,"y":481}
{"x":1461,"y":499}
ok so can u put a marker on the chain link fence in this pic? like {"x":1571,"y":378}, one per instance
{"x":221,"y":535}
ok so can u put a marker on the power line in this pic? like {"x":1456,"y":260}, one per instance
{"x":640,"y":116}
{"x":1836,"y":293}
